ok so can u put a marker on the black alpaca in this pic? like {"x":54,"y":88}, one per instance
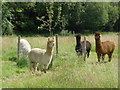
{"x":80,"y":46}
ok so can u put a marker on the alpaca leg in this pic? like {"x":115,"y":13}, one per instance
{"x":110,"y":56}
{"x":103,"y":56}
{"x":88,"y":53}
{"x":31,"y":66}
{"x":41,"y":67}
{"x":99,"y":56}
{"x":45,"y":67}
{"x":35,"y":67}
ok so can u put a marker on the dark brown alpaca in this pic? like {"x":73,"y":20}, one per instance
{"x":103,"y":48}
{"x":80,"y":45}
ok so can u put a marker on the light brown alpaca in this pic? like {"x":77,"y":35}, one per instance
{"x":103,"y":48}
{"x":42,"y":57}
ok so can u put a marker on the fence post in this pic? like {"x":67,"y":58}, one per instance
{"x":84,"y":50}
{"x":56,"y":36}
{"x":18,"y":47}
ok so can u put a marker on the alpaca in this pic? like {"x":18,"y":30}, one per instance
{"x":103,"y":48}
{"x":42,"y":57}
{"x":24,"y":47}
{"x":80,"y":46}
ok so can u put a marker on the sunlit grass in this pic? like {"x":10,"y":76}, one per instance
{"x":68,"y":70}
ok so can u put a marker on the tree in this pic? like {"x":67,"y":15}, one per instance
{"x":113,"y":16}
{"x":53,"y":19}
{"x":7,"y":26}
{"x":94,"y":16}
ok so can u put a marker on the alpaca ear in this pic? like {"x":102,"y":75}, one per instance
{"x":53,"y":38}
{"x":48,"y":38}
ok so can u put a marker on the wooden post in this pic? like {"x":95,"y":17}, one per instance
{"x":56,"y":36}
{"x":84,"y":49}
{"x":18,"y":47}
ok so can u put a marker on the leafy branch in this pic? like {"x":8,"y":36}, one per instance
{"x":50,"y":24}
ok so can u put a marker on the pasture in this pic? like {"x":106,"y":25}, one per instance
{"x":68,"y":70}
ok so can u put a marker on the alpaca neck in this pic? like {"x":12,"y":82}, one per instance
{"x":98,"y":43}
{"x":49,"y":50}
{"x":78,"y":41}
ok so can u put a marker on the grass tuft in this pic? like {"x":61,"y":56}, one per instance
{"x":22,"y":62}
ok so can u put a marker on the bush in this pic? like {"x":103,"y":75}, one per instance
{"x":65,"y":33}
{"x":22,"y":62}
{"x":13,"y":59}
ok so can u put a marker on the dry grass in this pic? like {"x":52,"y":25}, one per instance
{"x":68,"y":70}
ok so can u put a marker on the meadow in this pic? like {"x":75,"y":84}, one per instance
{"x":68,"y":70}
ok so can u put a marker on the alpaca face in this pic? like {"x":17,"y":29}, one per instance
{"x":51,"y":42}
{"x":97,"y":35}
{"x":79,"y":51}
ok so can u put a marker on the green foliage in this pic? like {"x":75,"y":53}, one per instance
{"x":54,"y":17}
{"x":94,"y":16}
{"x":22,"y":62}
{"x":7,"y":26}
{"x":13,"y":59}
{"x":113,"y":16}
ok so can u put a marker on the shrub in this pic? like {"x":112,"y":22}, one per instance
{"x":22,"y":62}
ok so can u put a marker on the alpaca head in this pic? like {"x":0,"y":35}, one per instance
{"x":50,"y":42}
{"x":78,"y":36}
{"x":97,"y":35}
{"x":79,"y":51}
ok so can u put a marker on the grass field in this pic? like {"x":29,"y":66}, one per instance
{"x":68,"y":70}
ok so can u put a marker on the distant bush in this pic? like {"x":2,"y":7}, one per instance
{"x":22,"y":62}
{"x":13,"y":59}
{"x":65,"y":33}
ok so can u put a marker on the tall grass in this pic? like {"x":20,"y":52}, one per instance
{"x":68,"y":70}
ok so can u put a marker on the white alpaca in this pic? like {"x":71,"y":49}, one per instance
{"x":24,"y":47}
{"x":43,"y":57}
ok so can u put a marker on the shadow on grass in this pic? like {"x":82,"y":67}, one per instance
{"x":21,"y":62}
{"x":13,"y":59}
{"x":97,"y":63}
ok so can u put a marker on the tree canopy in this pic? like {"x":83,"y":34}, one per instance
{"x":55,"y":17}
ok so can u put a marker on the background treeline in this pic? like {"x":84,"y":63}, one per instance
{"x":55,"y":17}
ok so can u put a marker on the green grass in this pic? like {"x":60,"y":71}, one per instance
{"x":68,"y":70}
